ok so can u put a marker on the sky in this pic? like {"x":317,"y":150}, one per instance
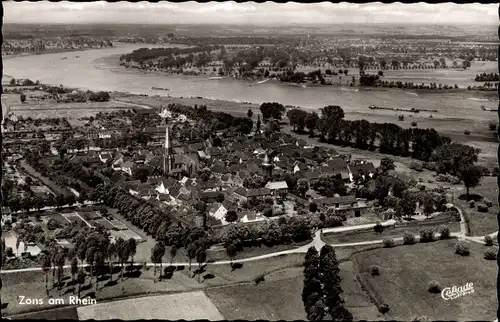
{"x":231,"y":12}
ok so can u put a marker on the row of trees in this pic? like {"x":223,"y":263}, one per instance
{"x":322,"y":292}
{"x":421,"y":144}
{"x":484,"y":77}
{"x":91,"y":247}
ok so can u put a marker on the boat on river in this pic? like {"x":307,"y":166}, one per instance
{"x":160,"y":89}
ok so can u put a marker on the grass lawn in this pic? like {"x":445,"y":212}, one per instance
{"x":186,"y":306}
{"x":279,"y":296}
{"x":405,"y":272}
{"x":274,"y":300}
{"x":481,"y":223}
{"x":361,"y":236}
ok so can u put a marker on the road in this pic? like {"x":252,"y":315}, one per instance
{"x":316,"y":242}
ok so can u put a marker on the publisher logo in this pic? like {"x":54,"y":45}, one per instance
{"x":451,"y":293}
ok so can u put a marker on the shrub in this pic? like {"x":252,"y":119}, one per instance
{"x":384,"y":308}
{"x":9,"y":252}
{"x":426,"y":235}
{"x":444,"y":232}
{"x":430,"y":166}
{"x":417,"y":165}
{"x":401,"y":117}
{"x":481,"y":207}
{"x":259,"y":279}
{"x":413,"y":123}
{"x":487,"y":202}
{"x":472,"y":203}
{"x":488,"y":241}
{"x":408,"y":238}
{"x":462,"y":249}
{"x":268,"y":212}
{"x":53,"y":224}
{"x":492,"y":126}
{"x":495,"y":171}
{"x":434,"y":287}
{"x":378,"y":228}
{"x":388,"y":242}
{"x":491,"y":254}
{"x":374,"y":270}
{"x":467,"y":132}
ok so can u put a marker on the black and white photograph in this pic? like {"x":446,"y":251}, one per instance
{"x":249,"y":161}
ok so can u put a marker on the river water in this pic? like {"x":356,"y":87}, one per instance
{"x":98,"y":70}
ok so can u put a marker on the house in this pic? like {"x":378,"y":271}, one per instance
{"x":165,"y":184}
{"x":361,"y":168}
{"x":279,"y":188}
{"x":299,"y":166}
{"x":211,"y":196}
{"x":258,"y":193}
{"x":346,"y":205}
{"x":310,"y":175}
{"x":104,"y":157}
{"x":219,"y":210}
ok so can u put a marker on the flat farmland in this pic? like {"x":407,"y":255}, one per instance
{"x":482,"y":223}
{"x":405,"y":272}
{"x":183,"y":306}
{"x":361,"y":236}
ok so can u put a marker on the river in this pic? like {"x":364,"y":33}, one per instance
{"x":98,"y":69}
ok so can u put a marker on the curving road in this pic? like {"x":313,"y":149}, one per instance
{"x":316,"y":242}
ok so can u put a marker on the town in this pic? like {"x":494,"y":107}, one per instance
{"x":181,"y":174}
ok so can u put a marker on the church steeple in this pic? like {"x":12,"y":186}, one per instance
{"x":267,"y":165}
{"x":168,"y":152}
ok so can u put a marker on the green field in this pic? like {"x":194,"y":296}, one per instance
{"x":361,"y":236}
{"x":482,"y":223}
{"x":405,"y":272}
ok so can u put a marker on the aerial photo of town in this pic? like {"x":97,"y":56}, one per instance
{"x":250,"y":161}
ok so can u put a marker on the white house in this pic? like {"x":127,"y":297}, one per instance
{"x":104,"y":157}
{"x":219,"y":212}
{"x":165,"y":184}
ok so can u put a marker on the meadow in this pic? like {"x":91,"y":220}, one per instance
{"x":405,"y":272}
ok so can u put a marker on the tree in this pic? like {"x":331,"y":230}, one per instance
{"x":59,"y":275}
{"x":191,"y":252}
{"x":405,"y":206}
{"x":132,"y":249}
{"x":249,"y":113}
{"x":274,"y":110}
{"x":23,"y":98}
{"x":46,"y":265}
{"x":231,"y":216}
{"x":12,"y":81}
{"x":471,"y":175}
{"x":90,"y":257}
{"x":111,"y":254}
{"x":386,"y":164}
{"x":201,"y":257}
{"x":257,"y":126}
{"x":154,"y":256}
{"x":74,"y":269}
{"x":302,"y":187}
{"x":99,"y":260}
{"x":81,"y":280}
{"x":231,"y":251}
{"x":173,"y":253}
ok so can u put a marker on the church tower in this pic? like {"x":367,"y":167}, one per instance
{"x":168,"y":152}
{"x":267,"y":165}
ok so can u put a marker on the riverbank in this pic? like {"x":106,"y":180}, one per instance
{"x":51,"y":51}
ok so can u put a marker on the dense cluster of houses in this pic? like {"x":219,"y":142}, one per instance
{"x":186,"y":173}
